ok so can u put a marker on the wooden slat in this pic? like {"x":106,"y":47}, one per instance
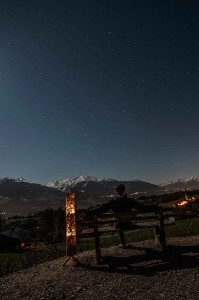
{"x":108,"y":221}
{"x":101,"y":230}
{"x":153,"y":224}
{"x":134,"y":226}
{"x":143,"y":218}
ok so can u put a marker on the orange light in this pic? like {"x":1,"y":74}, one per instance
{"x":22,"y":245}
{"x":183,"y":203}
{"x":70,"y":224}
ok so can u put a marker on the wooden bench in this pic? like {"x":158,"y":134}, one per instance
{"x":105,"y":224}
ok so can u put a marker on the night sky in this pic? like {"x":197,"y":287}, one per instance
{"x":105,"y":88}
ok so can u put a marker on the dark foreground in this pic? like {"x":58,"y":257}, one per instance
{"x":139,"y":272}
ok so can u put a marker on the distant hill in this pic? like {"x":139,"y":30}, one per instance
{"x":18,"y":196}
{"x":21,"y":197}
{"x":102,"y":186}
{"x":190,"y":183}
{"x":90,"y":190}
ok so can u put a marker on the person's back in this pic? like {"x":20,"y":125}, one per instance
{"x":122,"y":206}
{"x":119,"y":204}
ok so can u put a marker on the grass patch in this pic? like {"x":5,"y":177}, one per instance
{"x":14,"y":262}
{"x":181,"y":228}
{"x":186,"y":227}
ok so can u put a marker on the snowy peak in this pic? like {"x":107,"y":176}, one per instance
{"x":87,"y":178}
{"x":101,"y":186}
{"x":20,"y":179}
{"x":64,"y":184}
{"x":181,"y":181}
{"x":20,"y":196}
{"x":80,"y":179}
{"x":92,"y":185}
{"x":181,"y":184}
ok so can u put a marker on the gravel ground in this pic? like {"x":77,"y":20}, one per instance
{"x":138,"y":272}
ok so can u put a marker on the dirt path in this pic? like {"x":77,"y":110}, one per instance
{"x":139,"y":272}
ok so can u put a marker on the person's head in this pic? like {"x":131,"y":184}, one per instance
{"x":120,"y":189}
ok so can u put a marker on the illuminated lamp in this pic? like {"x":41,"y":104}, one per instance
{"x":70,"y":228}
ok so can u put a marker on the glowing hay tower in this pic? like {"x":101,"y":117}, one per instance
{"x":70,"y":227}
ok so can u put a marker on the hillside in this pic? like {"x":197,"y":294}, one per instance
{"x":139,"y":272}
{"x":190,"y":183}
{"x":21,"y":197}
{"x":102,"y":186}
{"x":18,"y":196}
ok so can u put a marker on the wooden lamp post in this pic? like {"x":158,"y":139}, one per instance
{"x":70,"y":228}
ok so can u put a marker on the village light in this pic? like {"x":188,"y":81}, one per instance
{"x":182,"y":203}
{"x":70,"y":228}
{"x":22,"y":245}
{"x":186,"y":200}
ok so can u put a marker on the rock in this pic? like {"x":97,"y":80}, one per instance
{"x":79,"y":289}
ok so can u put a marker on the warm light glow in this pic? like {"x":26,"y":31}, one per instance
{"x":22,"y":245}
{"x":186,"y":200}
{"x":183,"y":203}
{"x":70,"y":224}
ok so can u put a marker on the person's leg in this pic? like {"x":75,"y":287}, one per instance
{"x":122,"y":238}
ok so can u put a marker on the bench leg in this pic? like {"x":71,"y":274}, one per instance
{"x":160,"y":238}
{"x":97,"y":244}
{"x":162,"y":229}
{"x":122,"y":238}
{"x":157,"y":236}
{"x":163,"y":239}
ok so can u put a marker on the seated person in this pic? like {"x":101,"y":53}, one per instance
{"x":121,"y":204}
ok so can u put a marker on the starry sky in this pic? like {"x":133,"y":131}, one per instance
{"x":105,"y":88}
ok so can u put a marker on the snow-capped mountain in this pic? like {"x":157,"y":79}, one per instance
{"x":101,"y":186}
{"x":182,"y":184}
{"x":90,"y":190}
{"x":20,"y":179}
{"x":64,"y":184}
{"x":20,"y":196}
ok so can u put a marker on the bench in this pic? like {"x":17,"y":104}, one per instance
{"x":105,"y":224}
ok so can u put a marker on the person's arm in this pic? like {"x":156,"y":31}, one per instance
{"x":99,"y":209}
{"x":143,"y":208}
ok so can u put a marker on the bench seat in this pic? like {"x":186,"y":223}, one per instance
{"x":104,"y":224}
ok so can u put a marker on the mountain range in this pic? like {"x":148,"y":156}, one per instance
{"x":21,"y":197}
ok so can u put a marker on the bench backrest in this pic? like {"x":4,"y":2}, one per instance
{"x":133,"y":215}
{"x":126,"y":216}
